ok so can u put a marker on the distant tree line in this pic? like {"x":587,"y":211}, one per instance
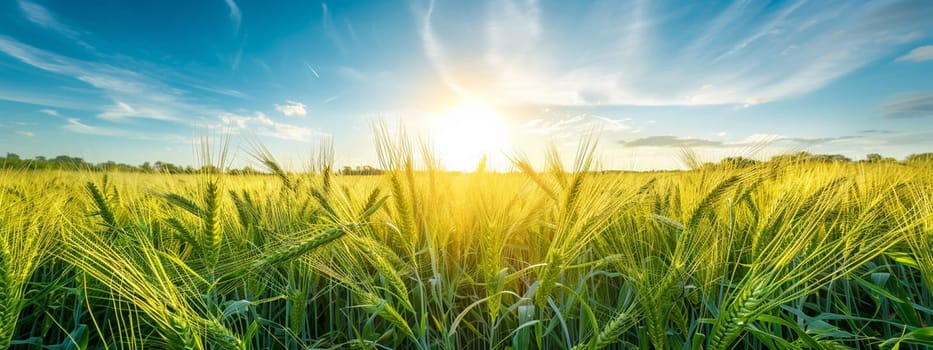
{"x":925,"y":159}
{"x":14,"y":161}
{"x":360,"y":170}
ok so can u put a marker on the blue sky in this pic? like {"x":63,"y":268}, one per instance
{"x":133,"y":81}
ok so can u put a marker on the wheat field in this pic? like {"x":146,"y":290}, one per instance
{"x":780,"y":255}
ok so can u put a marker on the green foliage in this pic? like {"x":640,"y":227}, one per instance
{"x":798,"y":252}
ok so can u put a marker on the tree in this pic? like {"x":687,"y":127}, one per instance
{"x":873,"y":157}
{"x":11,"y":161}
{"x":830,"y":158}
{"x":209,"y":169}
{"x":168,"y":168}
{"x":920,"y":157}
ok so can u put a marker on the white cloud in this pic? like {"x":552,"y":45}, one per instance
{"x":290,"y":132}
{"x":122,"y":110}
{"x":24,"y":133}
{"x":292,"y":108}
{"x":751,"y":101}
{"x":920,"y":54}
{"x":50,"y":112}
{"x":118,"y":111}
{"x":243,"y":122}
{"x":261,"y":124}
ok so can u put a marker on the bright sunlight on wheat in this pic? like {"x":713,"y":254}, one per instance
{"x":466,"y":174}
{"x":468,"y":132}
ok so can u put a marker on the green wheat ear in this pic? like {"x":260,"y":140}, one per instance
{"x":611,"y":332}
{"x":301,"y":248}
{"x":548,"y":278}
{"x":213,"y":232}
{"x":103,"y":209}
{"x":180,"y":334}
{"x":740,"y":311}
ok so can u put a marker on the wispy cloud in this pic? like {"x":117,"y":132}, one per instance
{"x":134,"y":93}
{"x":51,"y":112}
{"x":920,"y":54}
{"x":644,"y":53}
{"x":875,"y":131}
{"x":38,"y":14}
{"x":217,"y":90}
{"x":913,"y":105}
{"x":24,"y":133}
{"x":75,"y":125}
{"x":434,"y":50}
{"x":512,"y":29}
{"x":749,"y":142}
{"x":291,"y":132}
{"x":313,"y":71}
{"x":751,"y":101}
{"x":138,"y":95}
{"x":122,"y":111}
{"x":292,"y":108}
{"x":671,"y":141}
{"x":235,"y":14}
{"x":350,"y":73}
{"x":327,"y":21}
{"x":261,"y":124}
{"x":662,"y":152}
{"x":573,"y":126}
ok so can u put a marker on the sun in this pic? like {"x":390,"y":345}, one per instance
{"x":466,"y":133}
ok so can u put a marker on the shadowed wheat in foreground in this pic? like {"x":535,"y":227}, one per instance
{"x":780,"y":255}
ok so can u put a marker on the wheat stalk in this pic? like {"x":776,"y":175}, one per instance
{"x":734,"y":317}
{"x":301,"y":248}
{"x":103,"y":210}
{"x":213,"y":231}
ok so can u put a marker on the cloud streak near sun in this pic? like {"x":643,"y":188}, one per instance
{"x":652,"y":53}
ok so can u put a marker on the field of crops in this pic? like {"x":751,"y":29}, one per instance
{"x":778,"y":256}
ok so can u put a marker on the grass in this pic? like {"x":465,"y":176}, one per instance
{"x":780,"y":255}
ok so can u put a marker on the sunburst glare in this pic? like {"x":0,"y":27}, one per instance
{"x":466,"y":133}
